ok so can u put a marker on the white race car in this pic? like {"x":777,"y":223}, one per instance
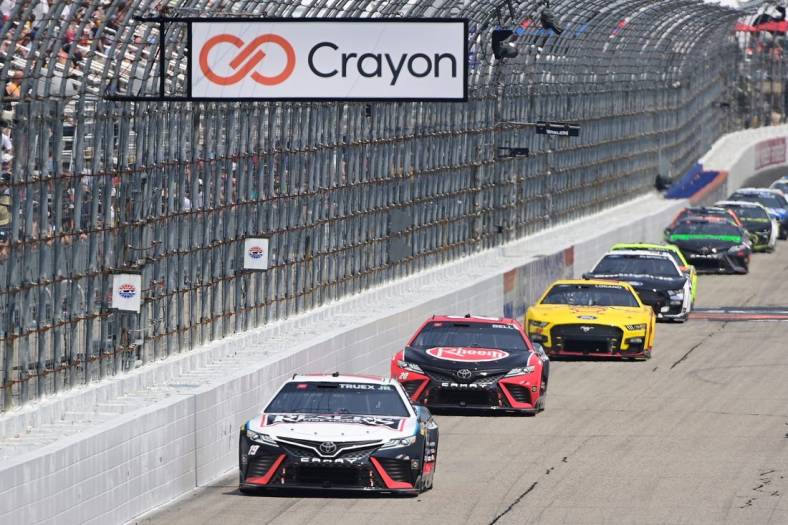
{"x":339,"y":432}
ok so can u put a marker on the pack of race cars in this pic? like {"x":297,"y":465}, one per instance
{"x":374,"y":434}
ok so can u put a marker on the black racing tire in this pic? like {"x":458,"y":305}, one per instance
{"x":542,"y":402}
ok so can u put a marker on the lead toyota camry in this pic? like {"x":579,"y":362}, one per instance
{"x":340,"y":432}
{"x":473,"y":363}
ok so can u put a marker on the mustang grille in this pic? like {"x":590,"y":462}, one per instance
{"x":587,"y":338}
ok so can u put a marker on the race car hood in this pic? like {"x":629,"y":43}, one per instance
{"x":645,"y":282}
{"x":333,"y":427}
{"x":607,"y":315}
{"x":696,"y":242}
{"x":471,"y":358}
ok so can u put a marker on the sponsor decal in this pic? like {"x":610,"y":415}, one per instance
{"x":324,"y":59}
{"x":770,"y":152}
{"x":246,"y":60}
{"x":363,"y":386}
{"x":471,"y":355}
{"x":704,"y":236}
{"x":371,"y":421}
{"x":464,"y":373}
{"x":330,"y":461}
{"x":327,"y":448}
{"x":127,"y":292}
{"x":589,"y":310}
{"x":461,"y":386}
{"x":256,"y":254}
{"x":586,"y":317}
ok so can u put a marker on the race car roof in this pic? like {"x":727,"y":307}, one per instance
{"x":340,"y":378}
{"x":706,"y":218}
{"x":758,"y":191}
{"x":742,"y":204}
{"x":640,"y":253}
{"x":592,"y":282}
{"x":468,"y":318}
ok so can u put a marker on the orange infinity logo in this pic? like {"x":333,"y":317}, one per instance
{"x":241,"y":65}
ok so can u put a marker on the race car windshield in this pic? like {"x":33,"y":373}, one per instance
{"x":673,"y":255}
{"x":706,"y":229}
{"x":746,"y":213}
{"x":359,"y":399}
{"x":480,"y":335}
{"x":770,"y":200}
{"x":634,"y":265}
{"x":702,"y":212}
{"x":590,"y":295}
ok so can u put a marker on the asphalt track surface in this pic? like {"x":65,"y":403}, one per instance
{"x":698,"y":434}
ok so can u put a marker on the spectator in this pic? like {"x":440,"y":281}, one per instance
{"x":6,"y":146}
{"x":5,"y":10}
{"x":5,"y":206}
{"x":40,"y":12}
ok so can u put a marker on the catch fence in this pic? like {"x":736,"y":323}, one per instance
{"x":350,"y":194}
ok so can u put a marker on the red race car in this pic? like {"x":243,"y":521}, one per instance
{"x":473,"y":363}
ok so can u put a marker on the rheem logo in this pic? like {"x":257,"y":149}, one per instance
{"x":320,"y":59}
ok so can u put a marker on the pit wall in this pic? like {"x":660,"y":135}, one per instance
{"x":732,"y":160}
{"x":124,"y":467}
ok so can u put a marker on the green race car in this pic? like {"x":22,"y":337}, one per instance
{"x":674,"y":252}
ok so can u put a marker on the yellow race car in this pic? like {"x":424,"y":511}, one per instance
{"x":594,"y":317}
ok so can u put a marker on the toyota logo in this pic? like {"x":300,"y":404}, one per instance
{"x":327,"y":448}
{"x":464,"y":373}
{"x":247,"y":59}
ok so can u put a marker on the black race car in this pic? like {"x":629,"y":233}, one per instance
{"x":713,"y":246}
{"x":473,"y":363}
{"x":656,"y":278}
{"x":339,"y":432}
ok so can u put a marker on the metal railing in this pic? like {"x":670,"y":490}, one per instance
{"x":350,"y":194}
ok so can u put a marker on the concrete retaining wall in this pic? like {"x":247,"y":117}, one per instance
{"x":181,"y":428}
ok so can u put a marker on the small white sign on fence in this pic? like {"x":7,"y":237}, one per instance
{"x":256,"y":254}
{"x":127,"y":292}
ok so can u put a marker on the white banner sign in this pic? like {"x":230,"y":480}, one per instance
{"x":255,"y":254}
{"x":127,"y":291}
{"x":329,"y":60}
